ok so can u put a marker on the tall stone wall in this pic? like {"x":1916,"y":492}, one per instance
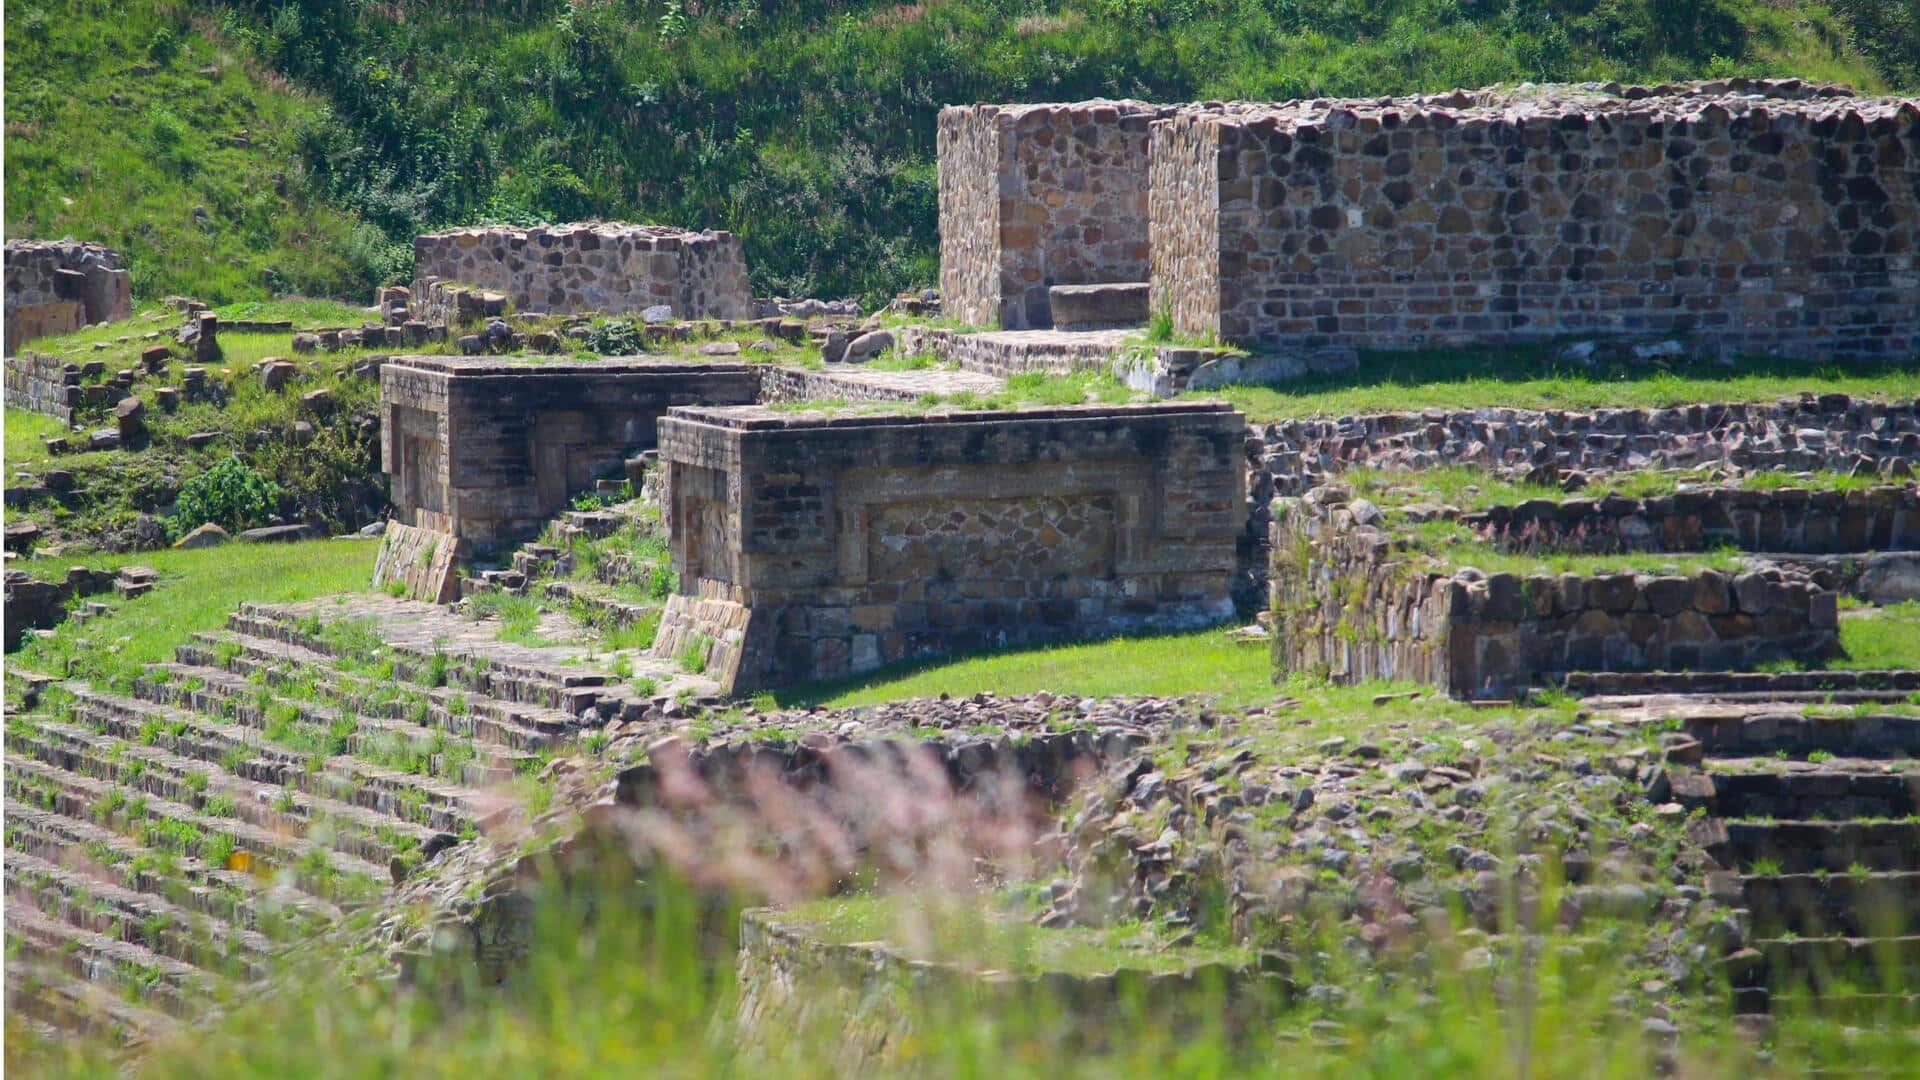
{"x":813,"y":546}
{"x":593,"y":266}
{"x":58,"y":286}
{"x":1033,"y":196}
{"x":488,"y":450}
{"x":1749,"y":217}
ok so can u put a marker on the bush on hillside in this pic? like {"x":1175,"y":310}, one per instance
{"x":231,"y":495}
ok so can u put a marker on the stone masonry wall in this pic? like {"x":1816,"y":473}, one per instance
{"x":1355,"y":604}
{"x":1751,"y":217}
{"x":604,"y":267}
{"x":1033,"y":196}
{"x":43,"y":384}
{"x":58,"y":286}
{"x":813,"y":546}
{"x":488,"y":450}
{"x":1786,"y":520}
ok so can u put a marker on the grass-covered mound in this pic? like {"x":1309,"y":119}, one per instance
{"x":128,"y":124}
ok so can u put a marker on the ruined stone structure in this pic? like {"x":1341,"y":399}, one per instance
{"x":487,"y":450}
{"x":812,"y":546}
{"x":1748,"y":216}
{"x":58,"y":286}
{"x":592,"y":266}
{"x":1754,"y":221}
{"x":1354,"y":602}
{"x":1033,"y":196}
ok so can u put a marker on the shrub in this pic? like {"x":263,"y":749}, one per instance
{"x":230,"y":494}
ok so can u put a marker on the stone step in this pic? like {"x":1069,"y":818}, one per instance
{"x":1809,"y":846}
{"x":1813,"y":905}
{"x":120,"y":966}
{"x":71,"y":1005}
{"x":1772,"y":683}
{"x":318,"y":869}
{"x":242,"y":751}
{"x":249,"y":703}
{"x":1793,"y":732}
{"x":373,"y":836}
{"x":517,"y":727}
{"x":1819,"y":964}
{"x":503,"y":672}
{"x":185,"y":880}
{"x":104,"y":907}
{"x":1797,"y":790}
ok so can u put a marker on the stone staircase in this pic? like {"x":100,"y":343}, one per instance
{"x":174,"y":834}
{"x":1813,"y":816}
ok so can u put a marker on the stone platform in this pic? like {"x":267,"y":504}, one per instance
{"x":820,"y":545}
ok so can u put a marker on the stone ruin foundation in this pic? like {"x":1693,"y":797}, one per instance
{"x":812,"y":546}
{"x":58,"y":286}
{"x":1352,"y":602}
{"x":604,"y":267}
{"x":1746,"y":216}
{"x":485,"y":451}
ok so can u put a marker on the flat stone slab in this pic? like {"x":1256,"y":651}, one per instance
{"x":912,"y":384}
{"x":1098,"y":307}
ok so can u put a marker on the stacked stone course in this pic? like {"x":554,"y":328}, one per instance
{"x":592,"y":266}
{"x":1751,"y":218}
{"x":58,"y":286}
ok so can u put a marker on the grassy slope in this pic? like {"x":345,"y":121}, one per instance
{"x":123,"y":121}
{"x":809,"y":127}
{"x":197,"y":590}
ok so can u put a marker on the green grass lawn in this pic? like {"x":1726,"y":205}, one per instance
{"x":1203,"y":662}
{"x":197,"y":590}
{"x":1531,"y":379}
{"x":1880,"y":638}
{"x":26,"y":438}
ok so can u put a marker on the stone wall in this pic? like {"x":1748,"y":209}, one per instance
{"x":44,"y":384}
{"x":1033,"y":196}
{"x":58,"y":286}
{"x":1786,"y":520}
{"x":488,"y":450}
{"x":419,"y":564}
{"x":1354,"y":604}
{"x":1750,"y":217}
{"x":815,"y":546}
{"x":593,"y":267}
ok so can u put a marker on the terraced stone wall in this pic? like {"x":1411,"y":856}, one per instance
{"x":1353,"y":603}
{"x":1033,"y":196}
{"x":1787,"y":520}
{"x":57,"y":287}
{"x":488,"y":450}
{"x":593,"y":266}
{"x":818,"y":546}
{"x":1748,"y":216}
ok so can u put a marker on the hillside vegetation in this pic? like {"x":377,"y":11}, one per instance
{"x":807,"y":127}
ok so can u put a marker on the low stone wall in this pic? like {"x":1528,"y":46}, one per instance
{"x":488,"y":450}
{"x":58,"y":286}
{"x":815,"y":546}
{"x":44,"y":384}
{"x":33,"y":604}
{"x":593,"y":267}
{"x":1353,"y":603}
{"x":1828,"y":433}
{"x":1788,"y":520}
{"x":1160,"y":370}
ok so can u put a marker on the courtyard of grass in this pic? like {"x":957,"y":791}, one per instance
{"x":1533,"y":378}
